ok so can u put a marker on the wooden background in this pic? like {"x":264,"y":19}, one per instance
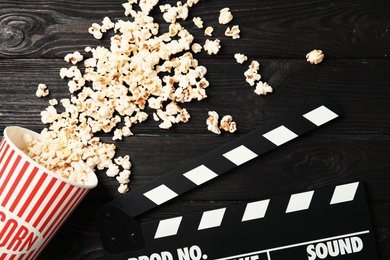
{"x":353,"y":34}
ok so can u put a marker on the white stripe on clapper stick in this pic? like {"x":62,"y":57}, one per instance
{"x":320,"y":115}
{"x":255,"y":210}
{"x":240,"y":155}
{"x":168,"y":227}
{"x":212,"y":218}
{"x":200,"y":175}
{"x":160,"y":194}
{"x":280,"y":135}
{"x":299,"y":201}
{"x":344,"y":193}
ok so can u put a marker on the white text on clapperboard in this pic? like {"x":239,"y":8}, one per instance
{"x":322,"y":250}
{"x":186,"y":253}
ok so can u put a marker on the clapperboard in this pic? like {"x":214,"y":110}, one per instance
{"x":326,"y":223}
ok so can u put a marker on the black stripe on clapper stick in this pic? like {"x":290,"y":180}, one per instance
{"x":120,"y":232}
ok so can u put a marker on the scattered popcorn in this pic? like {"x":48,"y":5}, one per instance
{"x":172,"y":13}
{"x":190,"y":3}
{"x":123,"y":177}
{"x":123,"y":188}
{"x":107,"y":24}
{"x":252,"y":76}
{"x":315,"y":56}
{"x":228,"y":124}
{"x":113,"y":170}
{"x":196,"y":47}
{"x":142,"y":68}
{"x":262,"y":88}
{"x":198,"y":22}
{"x":240,"y":58}
{"x":225,"y":16}
{"x":212,"y":47}
{"x":117,"y":134}
{"x":234,"y":32}
{"x":128,"y":8}
{"x":255,"y":65}
{"x":53,"y":102}
{"x":95,"y":30}
{"x":42,"y":91}
{"x":126,"y":132}
{"x":212,"y":122}
{"x":209,"y":31}
{"x":74,"y":58}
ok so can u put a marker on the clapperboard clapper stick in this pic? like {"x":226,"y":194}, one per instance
{"x":243,"y":231}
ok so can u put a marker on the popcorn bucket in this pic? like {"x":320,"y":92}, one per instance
{"x":34,"y":201}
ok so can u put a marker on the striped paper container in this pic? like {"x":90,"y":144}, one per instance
{"x":34,"y":202}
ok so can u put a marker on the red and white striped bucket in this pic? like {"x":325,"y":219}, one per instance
{"x":34,"y":201}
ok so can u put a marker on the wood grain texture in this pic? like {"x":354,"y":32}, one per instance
{"x":355,"y":37}
{"x":272,"y":29}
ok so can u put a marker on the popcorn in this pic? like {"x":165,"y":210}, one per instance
{"x":196,"y":47}
{"x":262,"y":88}
{"x":107,"y":24}
{"x":147,"y":5}
{"x":95,"y":30}
{"x":252,"y":76}
{"x":123,"y":188}
{"x":117,"y":134}
{"x":315,"y":56}
{"x":228,"y":124}
{"x":234,"y":32}
{"x":128,"y":8}
{"x":212,"y":122}
{"x":49,"y":115}
{"x":74,"y":58}
{"x":142,"y":68}
{"x":113,"y":170}
{"x":190,"y":3}
{"x":209,"y":31}
{"x":123,"y":177}
{"x":53,"y":102}
{"x":240,"y":58}
{"x":225,"y":16}
{"x":42,"y":91}
{"x":172,"y":13}
{"x":212,"y":47}
{"x":255,"y":65}
{"x":198,"y":22}
{"x":126,"y":132}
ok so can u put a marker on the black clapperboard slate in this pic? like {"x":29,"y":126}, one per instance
{"x":325,"y":223}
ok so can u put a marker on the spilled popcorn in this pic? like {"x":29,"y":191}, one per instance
{"x":234,"y":32}
{"x":198,"y":22}
{"x":142,"y":68}
{"x":212,"y":47}
{"x":227,"y":124}
{"x":240,"y":58}
{"x":225,"y":16}
{"x":209,"y":31}
{"x":315,"y":56}
{"x":253,"y":78}
{"x":42,"y":91}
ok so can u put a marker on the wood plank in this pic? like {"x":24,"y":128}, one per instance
{"x":295,"y":82}
{"x":271,"y":29}
{"x":354,"y":35}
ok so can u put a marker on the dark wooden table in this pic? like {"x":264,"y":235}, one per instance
{"x":355,"y":37}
